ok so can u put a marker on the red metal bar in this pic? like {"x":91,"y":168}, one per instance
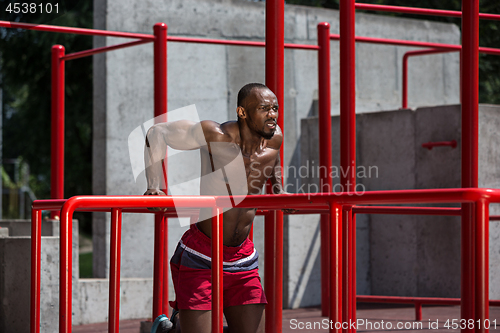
{"x":65,"y":269}
{"x":250,"y":235}
{"x":159,"y":250}
{"x":325,"y":156}
{"x":160,"y":112}
{"x":346,"y":268}
{"x":352,"y":218}
{"x":347,"y":134}
{"x":470,"y":101}
{"x":400,"y":42}
{"x":430,"y":145}
{"x":71,"y":30}
{"x":413,"y":300}
{"x":165,"y":296}
{"x":237,"y":43}
{"x":36,"y":253}
{"x":407,"y":210}
{"x":114,"y":272}
{"x":273,"y":246}
{"x":57,"y":128}
{"x":421,"y":11}
{"x":481,"y":310}
{"x":418,"y":311}
{"x":335,"y":267}
{"x":406,"y":56}
{"x":217,"y":275}
{"x":87,"y":53}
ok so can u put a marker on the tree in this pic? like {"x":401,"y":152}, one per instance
{"x":26,"y":78}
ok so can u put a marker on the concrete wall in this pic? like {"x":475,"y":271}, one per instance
{"x":210,"y":77}
{"x":414,"y":255}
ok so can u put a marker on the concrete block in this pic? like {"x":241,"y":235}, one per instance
{"x":136,"y":299}
{"x":4,"y":232}
{"x":19,"y":228}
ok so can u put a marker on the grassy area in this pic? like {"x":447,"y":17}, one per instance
{"x":86,"y":265}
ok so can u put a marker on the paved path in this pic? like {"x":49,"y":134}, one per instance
{"x":378,"y":318}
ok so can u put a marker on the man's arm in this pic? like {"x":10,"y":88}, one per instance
{"x":182,"y":135}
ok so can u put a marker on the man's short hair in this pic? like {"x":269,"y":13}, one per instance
{"x":246,"y":90}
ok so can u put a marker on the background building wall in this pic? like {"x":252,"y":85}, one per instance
{"x":210,"y":77}
{"x":404,"y":255}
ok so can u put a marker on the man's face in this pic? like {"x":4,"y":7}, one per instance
{"x":261,"y":107}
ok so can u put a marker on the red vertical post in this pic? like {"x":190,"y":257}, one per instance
{"x":352,"y":272}
{"x":65,"y":272}
{"x":217,"y":280}
{"x":114,"y":273}
{"x":57,"y":127}
{"x":36,"y":252}
{"x":346,"y":267}
{"x":335,"y":267}
{"x":347,"y":120}
{"x":273,"y":247}
{"x":160,"y":112}
{"x":405,"y":82}
{"x":325,"y":156}
{"x":482,"y":266}
{"x":470,"y":101}
{"x":165,"y":304}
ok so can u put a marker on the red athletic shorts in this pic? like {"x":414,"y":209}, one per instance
{"x":192,"y":275}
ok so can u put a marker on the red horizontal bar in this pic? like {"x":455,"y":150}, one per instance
{"x":400,"y":42}
{"x":71,"y":30}
{"x":87,"y":53}
{"x":407,"y":210}
{"x":420,"y":11}
{"x":282,"y":201}
{"x":236,"y":42}
{"x":411,"y":300}
{"x":430,"y":145}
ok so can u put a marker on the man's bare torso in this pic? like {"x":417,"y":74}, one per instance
{"x":258,"y":166}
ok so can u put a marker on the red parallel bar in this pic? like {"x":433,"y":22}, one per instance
{"x":494,"y":217}
{"x":273,"y":247}
{"x":36,"y":253}
{"x":71,"y":30}
{"x":470,"y":100}
{"x":57,"y":128}
{"x":335,"y":266}
{"x":87,"y":53}
{"x":430,"y":145}
{"x":406,"y":56}
{"x":407,"y":210}
{"x":165,"y":297}
{"x":237,"y":43}
{"x":217,"y":275}
{"x":160,"y":112}
{"x":325,"y":156}
{"x":65,"y":269}
{"x":347,"y":134}
{"x":481,"y":310}
{"x":400,"y":42}
{"x":114,"y":272}
{"x":65,"y":295}
{"x":352,"y":218}
{"x":421,"y":11}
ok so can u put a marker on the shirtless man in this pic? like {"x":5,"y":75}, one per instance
{"x":256,"y":138}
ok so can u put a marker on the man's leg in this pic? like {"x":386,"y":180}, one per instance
{"x":245,"y":318}
{"x":194,"y":321}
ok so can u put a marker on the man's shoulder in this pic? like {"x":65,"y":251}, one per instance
{"x":277,"y":139}
{"x":220,"y":132}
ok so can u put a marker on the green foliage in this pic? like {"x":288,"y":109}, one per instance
{"x":26,"y":86}
{"x":85,"y":266}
